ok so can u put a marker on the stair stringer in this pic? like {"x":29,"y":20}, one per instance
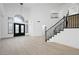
{"x":69,"y":37}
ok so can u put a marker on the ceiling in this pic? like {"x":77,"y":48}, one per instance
{"x":32,"y":5}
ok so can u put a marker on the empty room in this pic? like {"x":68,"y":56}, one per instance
{"x":39,"y":28}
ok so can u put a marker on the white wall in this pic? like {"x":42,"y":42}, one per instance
{"x":41,"y":12}
{"x":0,"y":28}
{"x":33,"y":13}
{"x":1,"y":18}
{"x":72,"y":7}
{"x":0,"y":25}
{"x":10,"y":10}
{"x":4,"y":23}
{"x":69,"y":37}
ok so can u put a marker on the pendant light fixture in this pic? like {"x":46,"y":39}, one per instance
{"x":21,"y":3}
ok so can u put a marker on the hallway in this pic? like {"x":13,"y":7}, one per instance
{"x":33,"y":46}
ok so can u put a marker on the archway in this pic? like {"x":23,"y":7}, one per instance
{"x":18,"y":19}
{"x":19,"y":26}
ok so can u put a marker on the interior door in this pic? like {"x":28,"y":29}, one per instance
{"x":19,"y":29}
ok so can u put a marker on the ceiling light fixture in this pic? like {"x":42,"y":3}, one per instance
{"x":21,"y":3}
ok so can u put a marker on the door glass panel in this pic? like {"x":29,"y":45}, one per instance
{"x":22,"y":28}
{"x":17,"y":29}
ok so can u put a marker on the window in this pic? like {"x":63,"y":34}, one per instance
{"x":10,"y":25}
{"x":18,"y":19}
{"x":26,"y":26}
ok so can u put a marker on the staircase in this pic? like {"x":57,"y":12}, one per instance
{"x":67,"y":22}
{"x":55,"y":29}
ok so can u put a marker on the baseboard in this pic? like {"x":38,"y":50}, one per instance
{"x":7,"y":38}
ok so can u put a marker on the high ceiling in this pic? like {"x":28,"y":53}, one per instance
{"x":58,"y":6}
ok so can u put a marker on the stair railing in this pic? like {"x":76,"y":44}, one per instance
{"x":59,"y":26}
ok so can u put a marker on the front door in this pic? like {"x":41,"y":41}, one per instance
{"x":19,"y":29}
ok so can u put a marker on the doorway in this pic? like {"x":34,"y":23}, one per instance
{"x":19,"y":29}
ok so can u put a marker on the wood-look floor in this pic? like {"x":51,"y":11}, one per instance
{"x":33,"y":46}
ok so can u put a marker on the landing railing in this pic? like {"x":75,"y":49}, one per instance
{"x":59,"y":26}
{"x":71,"y":21}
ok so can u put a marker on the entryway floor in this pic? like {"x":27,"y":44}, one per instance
{"x":27,"y":45}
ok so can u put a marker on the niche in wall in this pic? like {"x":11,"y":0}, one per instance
{"x":54,"y":15}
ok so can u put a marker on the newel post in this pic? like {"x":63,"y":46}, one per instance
{"x":45,"y":34}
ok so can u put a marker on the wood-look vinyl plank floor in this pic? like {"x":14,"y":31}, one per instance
{"x":27,"y":45}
